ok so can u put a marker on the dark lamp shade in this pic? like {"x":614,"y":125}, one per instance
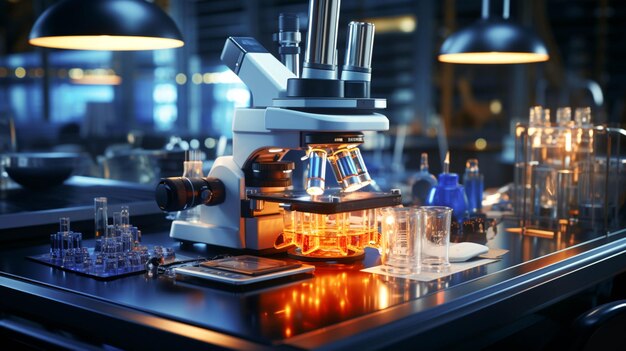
{"x":493,"y":41}
{"x":105,"y":25}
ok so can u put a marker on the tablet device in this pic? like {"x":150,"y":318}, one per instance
{"x":250,"y":265}
{"x":242,"y":270}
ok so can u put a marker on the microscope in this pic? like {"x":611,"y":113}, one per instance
{"x":248,"y":200}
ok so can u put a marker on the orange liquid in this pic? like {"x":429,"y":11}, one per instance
{"x":335,"y":235}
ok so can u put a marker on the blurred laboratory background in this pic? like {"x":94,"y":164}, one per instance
{"x":134,"y":114}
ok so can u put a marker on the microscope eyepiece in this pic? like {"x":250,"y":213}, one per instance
{"x":182,"y":193}
{"x":288,"y":22}
{"x":288,"y":38}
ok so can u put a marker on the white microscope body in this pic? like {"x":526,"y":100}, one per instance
{"x":277,"y":123}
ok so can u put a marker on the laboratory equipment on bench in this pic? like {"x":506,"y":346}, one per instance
{"x":449,"y":192}
{"x":569,"y":171}
{"x":243,"y":269}
{"x":245,"y":195}
{"x":473,"y":182}
{"x":422,"y":182}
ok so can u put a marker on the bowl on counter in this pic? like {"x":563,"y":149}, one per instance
{"x":40,"y":170}
{"x":143,"y":166}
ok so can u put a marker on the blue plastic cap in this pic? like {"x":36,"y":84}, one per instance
{"x":448,"y":179}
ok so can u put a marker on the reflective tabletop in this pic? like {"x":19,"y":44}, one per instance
{"x":337,"y":305}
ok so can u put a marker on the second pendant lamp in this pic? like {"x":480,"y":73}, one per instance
{"x":493,"y":41}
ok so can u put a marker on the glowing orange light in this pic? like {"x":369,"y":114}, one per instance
{"x":106,"y":42}
{"x":493,"y":57}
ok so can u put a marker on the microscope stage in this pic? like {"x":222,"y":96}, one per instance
{"x":331,"y":202}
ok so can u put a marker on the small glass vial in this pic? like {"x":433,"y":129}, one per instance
{"x":101,"y":221}
{"x":125,"y":216}
{"x":473,"y":181}
{"x":422,"y":182}
{"x":65,"y":236}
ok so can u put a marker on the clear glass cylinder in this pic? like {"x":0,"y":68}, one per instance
{"x":117,"y":219}
{"x":401,"y":241}
{"x":566,"y":197}
{"x":125,"y":216}
{"x":101,"y":219}
{"x":191,"y":169}
{"x":434,"y":231}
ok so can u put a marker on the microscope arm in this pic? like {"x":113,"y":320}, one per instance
{"x":263,"y":74}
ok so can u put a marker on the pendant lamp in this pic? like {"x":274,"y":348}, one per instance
{"x":117,"y":25}
{"x":493,"y":41}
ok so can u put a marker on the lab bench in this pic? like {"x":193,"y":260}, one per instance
{"x":337,"y":307}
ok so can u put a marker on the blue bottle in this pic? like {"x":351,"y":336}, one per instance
{"x":422,"y":182}
{"x":474,"y":186}
{"x":450,"y":193}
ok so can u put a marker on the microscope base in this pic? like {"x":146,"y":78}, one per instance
{"x":258,"y":233}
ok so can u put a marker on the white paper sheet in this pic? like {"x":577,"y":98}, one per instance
{"x":428,"y":276}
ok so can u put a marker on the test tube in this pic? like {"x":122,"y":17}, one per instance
{"x":100,"y":220}
{"x":127,"y":240}
{"x":54,"y":246}
{"x":110,"y":231}
{"x":125,"y":216}
{"x":315,"y":181}
{"x":65,"y":236}
{"x":565,"y":194}
{"x":117,"y":219}
{"x":473,"y":182}
{"x":543,"y":192}
{"x":64,"y":225}
{"x":535,"y":116}
{"x":582,"y":116}
{"x":77,"y":240}
{"x":110,"y":244}
{"x":563,"y":116}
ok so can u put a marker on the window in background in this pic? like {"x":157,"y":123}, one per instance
{"x":76,"y":80}
{"x":164,"y":93}
{"x":222,"y":92}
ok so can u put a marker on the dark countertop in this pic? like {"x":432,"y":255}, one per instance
{"x":337,"y":307}
{"x":21,"y":207}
